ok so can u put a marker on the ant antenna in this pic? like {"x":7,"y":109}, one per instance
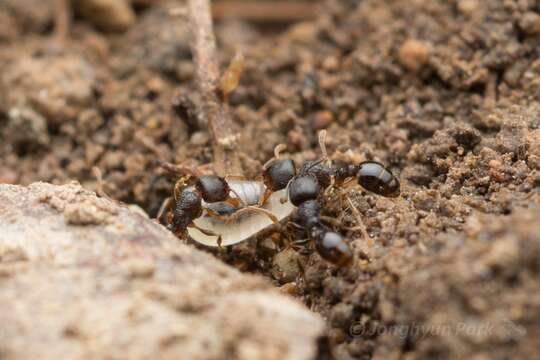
{"x":322,"y":143}
{"x":278,"y":149}
{"x":100,"y":183}
{"x":277,"y":154}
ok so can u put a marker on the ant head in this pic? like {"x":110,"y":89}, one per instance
{"x":278,"y":173}
{"x":212,"y":188}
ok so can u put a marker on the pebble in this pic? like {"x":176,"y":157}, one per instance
{"x":413,"y":54}
{"x":530,"y":23}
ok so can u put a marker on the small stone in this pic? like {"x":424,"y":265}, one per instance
{"x":285,"y":267}
{"x":321,"y":120}
{"x":413,"y":54}
{"x":27,"y":128}
{"x":108,"y":15}
{"x":467,"y":7}
{"x":530,"y":23}
{"x":331,"y":63}
{"x":200,"y":138}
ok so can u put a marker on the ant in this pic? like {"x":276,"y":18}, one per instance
{"x":284,"y":193}
{"x":314,"y":178}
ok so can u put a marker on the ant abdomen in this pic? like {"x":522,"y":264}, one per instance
{"x":331,"y":246}
{"x":374,"y":177}
{"x":212,"y":188}
{"x":278,"y":174}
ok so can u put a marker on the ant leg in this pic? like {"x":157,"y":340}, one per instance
{"x":289,"y":230}
{"x":234,"y":177}
{"x":285,"y":197}
{"x":300,"y":243}
{"x":237,"y":201}
{"x":267,"y":193}
{"x":165,"y":206}
{"x":100,"y":183}
{"x":332,"y":221}
{"x":271,"y":216}
{"x":291,"y":243}
{"x":358,"y":216}
{"x":235,"y":215}
{"x":330,"y":187}
{"x":208,"y":233}
{"x":178,"y":170}
{"x":264,"y":198}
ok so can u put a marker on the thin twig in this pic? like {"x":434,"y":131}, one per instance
{"x":213,"y":107}
{"x":62,"y":20}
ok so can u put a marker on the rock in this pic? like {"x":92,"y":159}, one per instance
{"x":413,"y":54}
{"x":118,"y":285}
{"x":286,"y":267}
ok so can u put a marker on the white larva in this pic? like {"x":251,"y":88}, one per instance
{"x":246,"y":225}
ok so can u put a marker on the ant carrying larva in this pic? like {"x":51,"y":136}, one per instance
{"x":215,"y":211}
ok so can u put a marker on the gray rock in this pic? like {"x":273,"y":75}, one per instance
{"x":84,"y":277}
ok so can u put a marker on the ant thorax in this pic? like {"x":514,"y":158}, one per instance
{"x":245,"y":225}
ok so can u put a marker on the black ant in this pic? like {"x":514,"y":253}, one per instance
{"x":223,"y":202}
{"x":314,"y":177}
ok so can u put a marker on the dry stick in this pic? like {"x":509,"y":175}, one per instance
{"x":62,"y":19}
{"x":213,"y":108}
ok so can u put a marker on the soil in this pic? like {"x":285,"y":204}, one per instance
{"x":444,"y":92}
